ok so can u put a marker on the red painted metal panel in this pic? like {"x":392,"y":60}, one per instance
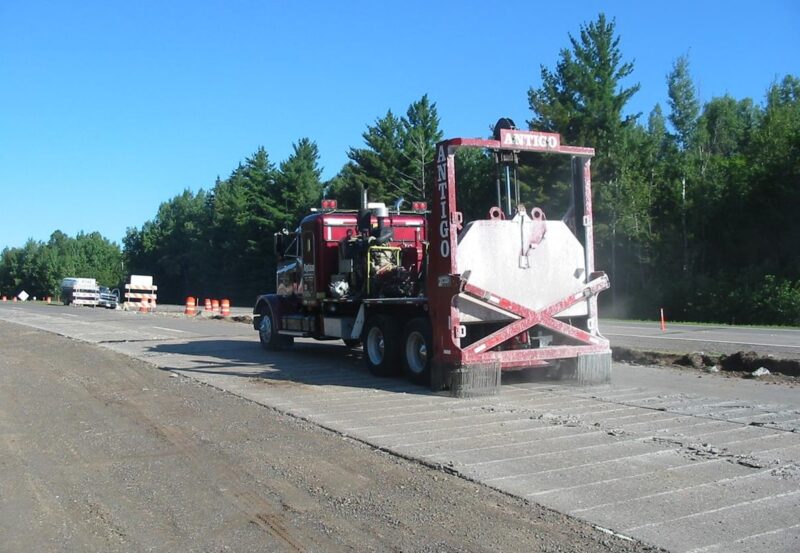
{"x":444,"y":284}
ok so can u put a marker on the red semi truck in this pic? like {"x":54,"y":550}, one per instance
{"x":448,"y":302}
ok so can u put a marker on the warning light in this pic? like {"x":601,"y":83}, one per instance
{"x":329,"y":204}
{"x":419,"y":206}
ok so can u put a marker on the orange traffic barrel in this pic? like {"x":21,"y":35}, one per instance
{"x":190,"y":307}
{"x":143,"y":305}
{"x":5,"y":298}
{"x":207,"y":306}
{"x":49,"y":299}
{"x":225,"y":308}
{"x":15,"y":299}
{"x":215,"y":306}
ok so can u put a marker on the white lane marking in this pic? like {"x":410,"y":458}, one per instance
{"x":710,"y":511}
{"x":169,"y":329}
{"x":706,"y":341}
{"x":69,"y":315}
{"x":654,"y":326}
{"x":718,"y":546}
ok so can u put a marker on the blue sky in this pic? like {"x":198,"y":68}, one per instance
{"x":109,"y":108}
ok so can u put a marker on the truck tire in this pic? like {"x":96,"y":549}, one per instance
{"x":268,"y":332}
{"x":418,"y":351}
{"x":382,"y":345}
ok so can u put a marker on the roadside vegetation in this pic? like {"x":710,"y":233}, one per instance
{"x":695,"y":204}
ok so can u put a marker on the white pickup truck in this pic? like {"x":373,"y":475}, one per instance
{"x":108,"y":298}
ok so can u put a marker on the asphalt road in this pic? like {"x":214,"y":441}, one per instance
{"x":688,"y":461}
{"x":686,"y":338}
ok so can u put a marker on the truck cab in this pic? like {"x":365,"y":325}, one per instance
{"x":334,"y":263}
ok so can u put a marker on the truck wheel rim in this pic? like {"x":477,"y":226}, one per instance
{"x":265,"y":328}
{"x":375,"y":346}
{"x":416,"y":352}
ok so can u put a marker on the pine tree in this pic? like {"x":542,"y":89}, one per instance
{"x":298,"y":182}
{"x":421,"y":133}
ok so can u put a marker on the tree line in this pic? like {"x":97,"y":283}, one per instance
{"x":38,"y":267}
{"x":694,"y":204}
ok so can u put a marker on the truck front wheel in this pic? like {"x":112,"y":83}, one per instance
{"x":268,"y":332}
{"x":382,"y":345}
{"x":417,"y":351}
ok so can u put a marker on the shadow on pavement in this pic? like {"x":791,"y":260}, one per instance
{"x":324,"y":363}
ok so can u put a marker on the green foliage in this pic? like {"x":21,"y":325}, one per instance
{"x":39,"y":267}
{"x":220,"y":244}
{"x":583,"y":99}
{"x":777,"y":301}
{"x":691,"y":210}
{"x":476,"y":191}
{"x":298,"y":182}
{"x":394,"y":162}
{"x":683,"y":104}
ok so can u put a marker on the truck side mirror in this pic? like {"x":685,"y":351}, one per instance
{"x":280,"y":244}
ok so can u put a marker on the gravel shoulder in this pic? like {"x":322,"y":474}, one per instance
{"x":100,"y":452}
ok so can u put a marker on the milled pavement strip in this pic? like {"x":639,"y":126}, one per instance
{"x":670,"y":492}
{"x":715,"y":510}
{"x":508,"y":439}
{"x":632,"y":450}
{"x":643,"y":488}
{"x":619,"y":479}
{"x":525,"y":410}
{"x":731,"y":523}
{"x":727,"y":545}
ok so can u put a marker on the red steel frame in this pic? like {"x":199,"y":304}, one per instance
{"x":444,"y":283}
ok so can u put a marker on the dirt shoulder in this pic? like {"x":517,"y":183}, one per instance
{"x":100,"y":452}
{"x":739,"y":365}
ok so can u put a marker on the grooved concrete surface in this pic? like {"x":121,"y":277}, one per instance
{"x":685,"y":463}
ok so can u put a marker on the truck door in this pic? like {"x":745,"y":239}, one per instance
{"x":309,"y":267}
{"x":287,"y":249}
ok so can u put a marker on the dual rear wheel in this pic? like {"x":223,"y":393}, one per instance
{"x":391,"y":347}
